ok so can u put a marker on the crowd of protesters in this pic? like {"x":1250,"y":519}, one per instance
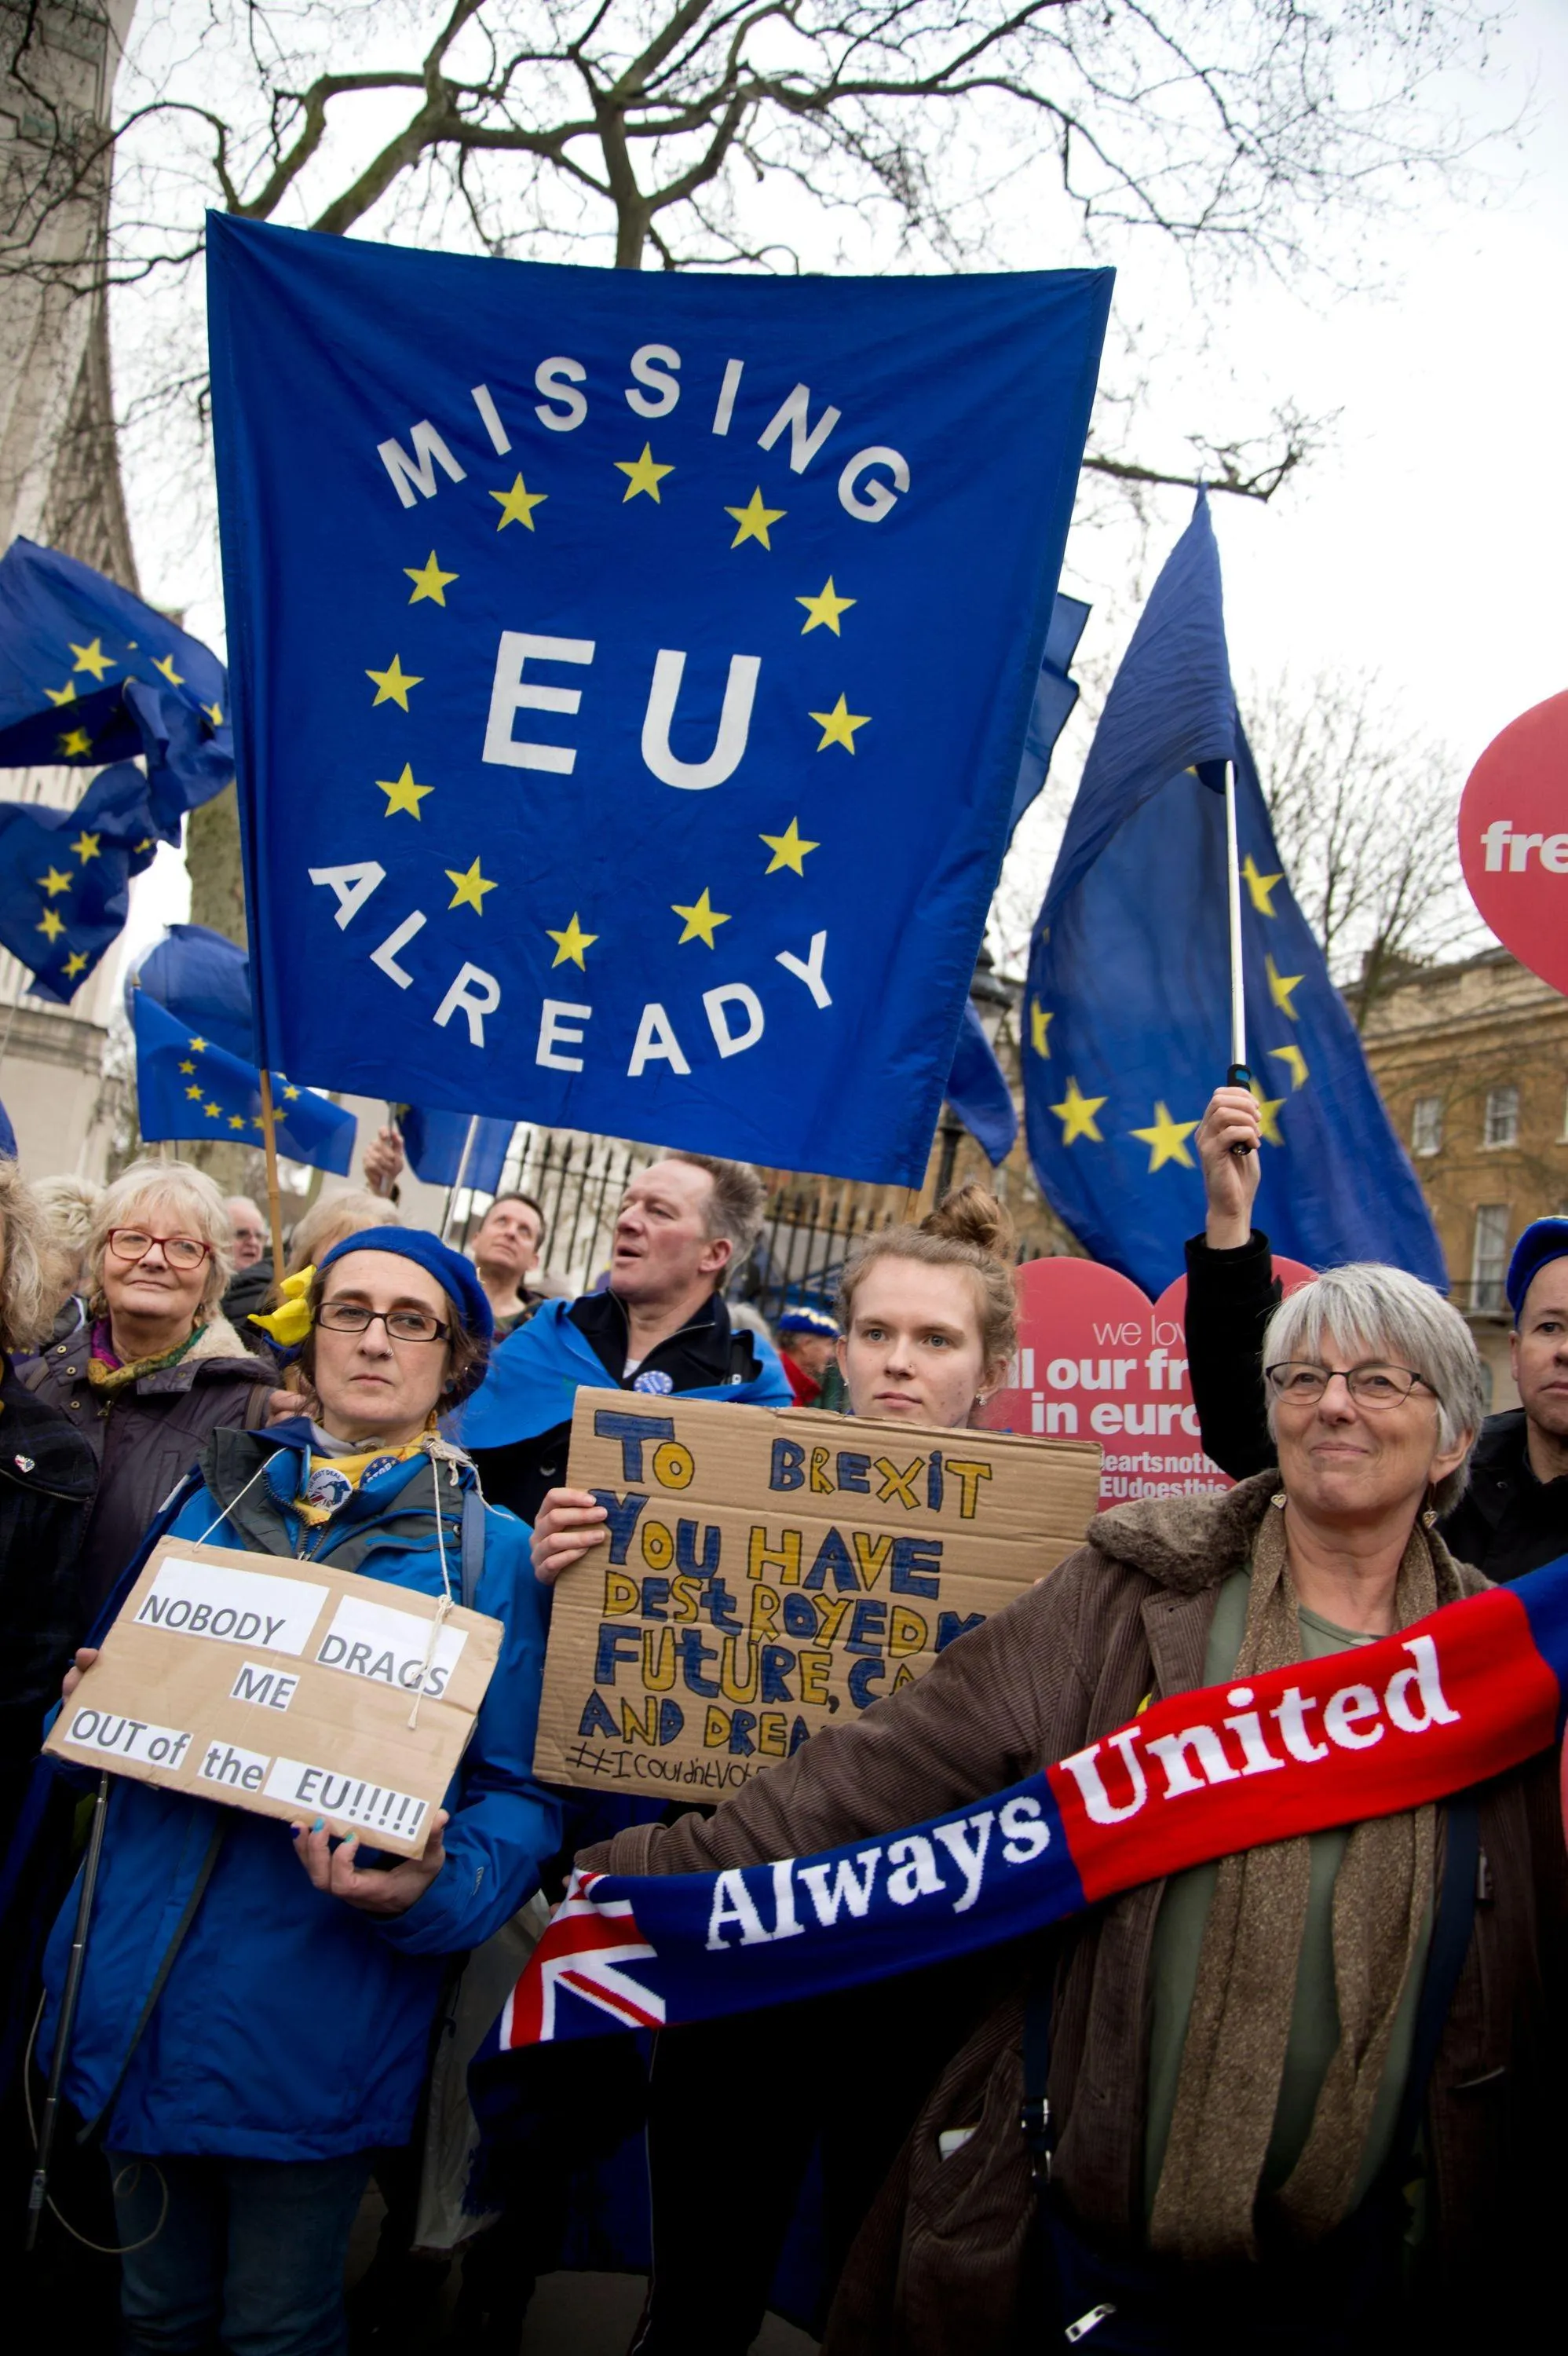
{"x":1302,"y":2099}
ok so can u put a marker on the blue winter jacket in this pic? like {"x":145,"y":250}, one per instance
{"x":293,"y":2026}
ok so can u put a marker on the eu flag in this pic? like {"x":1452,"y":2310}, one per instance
{"x":65,"y":877}
{"x":978,"y":1093}
{"x":204,"y":980}
{"x":1127,"y":1014}
{"x":188,"y":1086}
{"x":441,"y":1150}
{"x":90,"y":674}
{"x":631,"y":675}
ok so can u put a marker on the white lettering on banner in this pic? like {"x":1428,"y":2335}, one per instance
{"x":500,"y":440}
{"x":734,"y":723}
{"x":846,"y":1887}
{"x":417,"y":473}
{"x":351,"y":885}
{"x":239,"y":1770}
{"x":559,"y":1021}
{"x":268,"y":1688}
{"x":649,"y":365}
{"x":1551,"y":850}
{"x":555,"y":379}
{"x":805,"y":439}
{"x":374,"y":1640}
{"x":477,"y":993}
{"x":809,"y":967}
{"x":348,"y":1799}
{"x":510,"y":693}
{"x":237,"y":1607}
{"x":1353,"y":1719}
{"x":109,"y":1736}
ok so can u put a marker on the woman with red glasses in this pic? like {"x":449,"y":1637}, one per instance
{"x":157,"y":1367}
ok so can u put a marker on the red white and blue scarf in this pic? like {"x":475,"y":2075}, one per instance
{"x":1463,"y":1694}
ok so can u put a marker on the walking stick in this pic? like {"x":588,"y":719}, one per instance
{"x":38,"y":2191}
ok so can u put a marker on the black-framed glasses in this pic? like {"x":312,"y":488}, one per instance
{"x":133,"y":1244}
{"x":1372,"y":1385}
{"x":401,"y":1324}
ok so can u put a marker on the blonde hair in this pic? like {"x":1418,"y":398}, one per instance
{"x":69,"y":1205}
{"x":27,"y":1283}
{"x":330,"y":1220}
{"x":193,"y":1199}
{"x":969,"y":1229}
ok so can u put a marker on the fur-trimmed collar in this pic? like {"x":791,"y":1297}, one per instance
{"x":218,"y":1339}
{"x":1193,"y":1543}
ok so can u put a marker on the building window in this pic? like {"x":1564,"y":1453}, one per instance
{"x":1502,"y":1116}
{"x":1426,"y":1126}
{"x":1488,"y":1261}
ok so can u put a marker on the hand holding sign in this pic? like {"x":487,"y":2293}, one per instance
{"x":334,"y":1868}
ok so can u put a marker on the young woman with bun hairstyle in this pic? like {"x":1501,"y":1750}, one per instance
{"x":929,"y":1322}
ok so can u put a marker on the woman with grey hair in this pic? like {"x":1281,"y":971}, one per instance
{"x":1246,"y":2065}
{"x":158,"y":1366}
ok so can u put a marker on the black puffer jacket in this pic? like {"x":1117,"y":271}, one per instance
{"x":145,"y":1437}
{"x":48,"y":1477}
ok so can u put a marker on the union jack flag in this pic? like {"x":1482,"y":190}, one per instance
{"x":582,"y":1949}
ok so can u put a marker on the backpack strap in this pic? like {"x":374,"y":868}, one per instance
{"x":473,"y":1546}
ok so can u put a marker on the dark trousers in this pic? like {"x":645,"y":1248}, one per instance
{"x":248,"y":2256}
{"x":801,"y":2076}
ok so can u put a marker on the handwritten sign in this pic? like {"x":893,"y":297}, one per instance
{"x":769,"y":1570}
{"x":284,"y":1688}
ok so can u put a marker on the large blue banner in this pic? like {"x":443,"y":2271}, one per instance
{"x":631,"y":675}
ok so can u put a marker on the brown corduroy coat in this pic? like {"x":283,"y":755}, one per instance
{"x":937,"y":2269}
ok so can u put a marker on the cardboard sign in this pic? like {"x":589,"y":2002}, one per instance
{"x":769,"y":1569}
{"x":286,"y":1687}
{"x":1095,"y":1356}
{"x":1514,"y":843}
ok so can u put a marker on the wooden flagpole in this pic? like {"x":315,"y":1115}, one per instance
{"x":274,"y":1198}
{"x":462,"y":1173}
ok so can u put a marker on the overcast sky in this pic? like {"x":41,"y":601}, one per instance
{"x":1426,"y":540}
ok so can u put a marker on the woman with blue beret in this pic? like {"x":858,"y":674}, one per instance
{"x":258,"y":1997}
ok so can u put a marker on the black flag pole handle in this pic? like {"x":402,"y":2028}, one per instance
{"x":39,"y":2189}
{"x":1238,"y":1076}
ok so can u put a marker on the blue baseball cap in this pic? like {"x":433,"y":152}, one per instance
{"x":1543,"y":1240}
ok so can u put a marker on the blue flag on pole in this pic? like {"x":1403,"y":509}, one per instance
{"x":90,"y":674}
{"x":1127,"y":1015}
{"x":204,"y":980}
{"x":439,"y":1151}
{"x":978,"y":1093}
{"x":187,"y":1086}
{"x":65,"y":878}
{"x":632,"y":672}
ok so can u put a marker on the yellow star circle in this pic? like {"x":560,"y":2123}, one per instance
{"x":393,"y":684}
{"x":1076,"y":1113}
{"x":571,"y":943}
{"x":824,"y":610}
{"x":699,"y":920}
{"x":169,"y":672}
{"x":644,"y":474}
{"x":53,"y":882}
{"x":517,"y":505}
{"x":1166,"y":1139}
{"x":428,"y":579}
{"x":789,"y":848}
{"x":754,"y":520}
{"x":92,"y":657}
{"x":839,"y":725}
{"x":471,"y":887}
{"x":402,"y":793}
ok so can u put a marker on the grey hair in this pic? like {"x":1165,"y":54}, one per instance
{"x":1385,"y":1312}
{"x":68,"y":1205}
{"x":195,"y":1201}
{"x":27,"y":1307}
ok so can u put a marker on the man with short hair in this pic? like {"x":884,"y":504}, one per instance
{"x":249,"y":1231}
{"x":252,"y":1279}
{"x":506,"y":1247}
{"x":1514,"y":1515}
{"x":685,"y":1222}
